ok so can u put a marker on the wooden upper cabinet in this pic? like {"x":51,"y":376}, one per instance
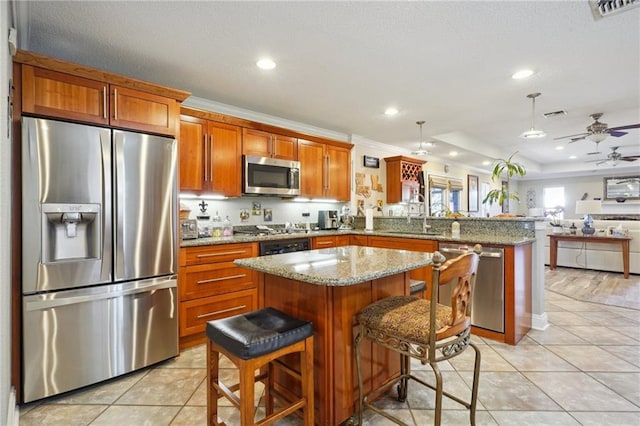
{"x":265,"y":144}
{"x":132,"y":109}
{"x":338,"y":173}
{"x":66,"y":95}
{"x":210,"y":157}
{"x":192,"y":150}
{"x":325,"y":170}
{"x":402,"y":178}
{"x":312,"y":160}
{"x":56,"y":94}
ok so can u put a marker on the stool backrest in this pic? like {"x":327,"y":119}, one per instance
{"x":461,"y":270}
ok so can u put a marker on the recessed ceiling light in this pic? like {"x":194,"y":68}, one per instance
{"x":266,"y":64}
{"x":559,"y":148}
{"x":572,"y":157}
{"x":453,"y":153}
{"x":390,"y":111}
{"x":519,"y":75}
{"x":486,"y":162}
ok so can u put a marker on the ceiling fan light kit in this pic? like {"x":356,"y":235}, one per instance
{"x":421,"y":152}
{"x":532,"y":133}
{"x":599,"y":131}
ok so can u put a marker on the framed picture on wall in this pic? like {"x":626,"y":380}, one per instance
{"x":472,"y":196}
{"x":505,"y":203}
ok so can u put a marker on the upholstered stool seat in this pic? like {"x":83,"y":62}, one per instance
{"x":252,"y":341}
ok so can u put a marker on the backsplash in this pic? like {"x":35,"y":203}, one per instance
{"x":268,"y":211}
{"x":479,"y":226}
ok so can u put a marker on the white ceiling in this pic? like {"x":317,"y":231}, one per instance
{"x":340,"y":64}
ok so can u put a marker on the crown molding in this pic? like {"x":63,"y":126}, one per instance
{"x":207,"y":105}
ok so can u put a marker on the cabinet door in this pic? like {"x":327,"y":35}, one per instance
{"x":61,"y":95}
{"x":311,"y":157}
{"x":256,"y":142}
{"x":192,"y":151}
{"x":338,"y":185}
{"x":226,"y":160}
{"x":285,"y":147}
{"x":132,"y":109}
{"x":265,"y":144}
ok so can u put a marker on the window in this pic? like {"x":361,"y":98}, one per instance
{"x":445,"y":195}
{"x":554,"y":200}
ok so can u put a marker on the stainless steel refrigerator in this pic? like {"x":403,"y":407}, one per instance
{"x":99,"y":254}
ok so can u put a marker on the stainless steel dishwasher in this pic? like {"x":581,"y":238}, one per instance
{"x":487,"y":306}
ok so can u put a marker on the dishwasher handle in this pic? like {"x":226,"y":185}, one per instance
{"x":494,"y":254}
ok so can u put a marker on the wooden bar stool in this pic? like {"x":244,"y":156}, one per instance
{"x":252,"y":341}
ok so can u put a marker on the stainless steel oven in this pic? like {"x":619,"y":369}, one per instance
{"x":271,"y":176}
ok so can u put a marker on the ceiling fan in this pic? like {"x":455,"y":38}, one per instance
{"x":614,"y":156}
{"x":598,"y":131}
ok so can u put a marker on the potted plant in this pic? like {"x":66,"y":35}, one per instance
{"x":509,"y":168}
{"x":555,"y":220}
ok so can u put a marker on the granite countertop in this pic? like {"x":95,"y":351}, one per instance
{"x":339,"y":266}
{"x":474,"y":238}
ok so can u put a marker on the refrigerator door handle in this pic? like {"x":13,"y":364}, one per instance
{"x":39,"y":305}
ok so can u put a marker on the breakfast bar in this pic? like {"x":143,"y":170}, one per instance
{"x":328,"y":287}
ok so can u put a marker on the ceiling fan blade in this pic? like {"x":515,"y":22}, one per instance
{"x":616,"y":134}
{"x":577,"y":139}
{"x":628,"y":126}
{"x":630,"y":158}
{"x":594,"y":153}
{"x":571,"y":136}
{"x":601,"y":162}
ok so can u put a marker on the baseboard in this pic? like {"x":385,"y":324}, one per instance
{"x":539,"y":322}
{"x":13,"y":413}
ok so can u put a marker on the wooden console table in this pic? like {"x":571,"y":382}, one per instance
{"x":623,"y":241}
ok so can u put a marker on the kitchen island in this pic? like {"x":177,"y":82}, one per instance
{"x":328,"y":287}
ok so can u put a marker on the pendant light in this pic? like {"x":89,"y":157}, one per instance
{"x":533,"y":133}
{"x":420,"y":151}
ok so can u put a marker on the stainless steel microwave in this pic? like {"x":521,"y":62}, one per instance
{"x":271,"y":176}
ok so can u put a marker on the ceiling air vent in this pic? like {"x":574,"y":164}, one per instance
{"x":603,"y":8}
{"x":554,"y":113}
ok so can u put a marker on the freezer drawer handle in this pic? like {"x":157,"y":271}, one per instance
{"x":52,"y":303}
{"x":231,"y":277}
{"x":221,"y":254}
{"x":223,"y":311}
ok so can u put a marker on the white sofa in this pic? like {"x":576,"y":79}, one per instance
{"x":598,"y":256}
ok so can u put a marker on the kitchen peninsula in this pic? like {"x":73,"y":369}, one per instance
{"x":328,"y":287}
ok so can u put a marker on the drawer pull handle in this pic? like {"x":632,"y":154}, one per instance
{"x":226,"y":253}
{"x":324,"y":242}
{"x":212,"y":280}
{"x":223,"y":311}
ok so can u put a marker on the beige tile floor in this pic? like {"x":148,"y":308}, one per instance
{"x":583,"y":369}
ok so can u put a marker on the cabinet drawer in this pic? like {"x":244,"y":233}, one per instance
{"x":218,"y":253}
{"x":324,"y":242}
{"x":208,"y":280}
{"x":194,"y":314}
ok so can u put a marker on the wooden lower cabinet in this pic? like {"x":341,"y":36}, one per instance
{"x":414,"y":244}
{"x":211,"y":287}
{"x":332,"y":311}
{"x":330,"y":241}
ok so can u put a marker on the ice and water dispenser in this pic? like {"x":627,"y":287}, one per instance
{"x":70,"y":232}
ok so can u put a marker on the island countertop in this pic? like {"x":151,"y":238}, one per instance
{"x":339,"y":266}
